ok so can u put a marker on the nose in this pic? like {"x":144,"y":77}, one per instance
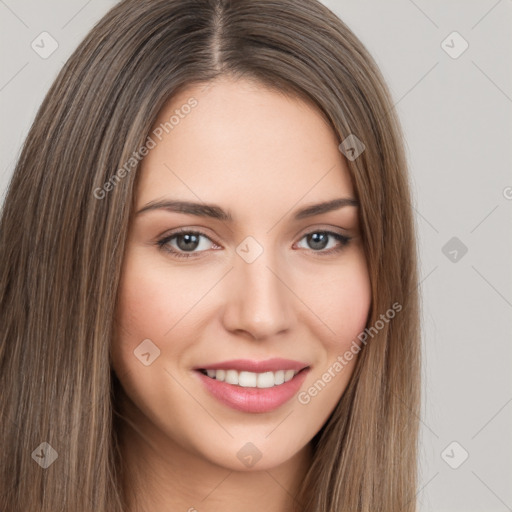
{"x":258,"y":298}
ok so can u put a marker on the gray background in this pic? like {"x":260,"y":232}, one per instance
{"x":456,"y":114}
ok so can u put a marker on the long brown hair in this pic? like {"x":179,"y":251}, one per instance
{"x":62,"y":243}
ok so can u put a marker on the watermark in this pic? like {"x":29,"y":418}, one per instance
{"x":45,"y":455}
{"x":44,"y":45}
{"x":454,"y":45}
{"x":249,"y":455}
{"x":304,"y":397}
{"x":146,"y":352}
{"x":249,"y":249}
{"x":454,"y":455}
{"x":351,"y":147}
{"x":137,"y":156}
{"x":454,"y":249}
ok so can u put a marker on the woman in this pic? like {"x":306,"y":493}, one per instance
{"x":209,"y":272}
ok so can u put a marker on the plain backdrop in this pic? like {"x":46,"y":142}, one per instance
{"x":447,"y":64}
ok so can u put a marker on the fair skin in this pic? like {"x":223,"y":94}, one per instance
{"x":261,"y":156}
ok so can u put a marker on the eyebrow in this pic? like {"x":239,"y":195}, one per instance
{"x":216,"y":212}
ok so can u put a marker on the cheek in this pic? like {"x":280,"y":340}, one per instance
{"x":156,"y":304}
{"x":353,"y":300}
{"x":151,"y":302}
{"x":154,"y":296}
{"x":343,"y":303}
{"x":341,"y":300}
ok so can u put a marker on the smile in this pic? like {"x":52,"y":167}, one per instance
{"x":253,"y":386}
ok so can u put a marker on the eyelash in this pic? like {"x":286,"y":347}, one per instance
{"x":162,"y":243}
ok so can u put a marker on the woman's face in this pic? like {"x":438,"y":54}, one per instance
{"x":250,"y":287}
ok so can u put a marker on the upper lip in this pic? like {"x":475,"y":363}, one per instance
{"x":269,"y":365}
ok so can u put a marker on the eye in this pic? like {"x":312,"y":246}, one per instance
{"x":319,"y":241}
{"x":182,"y":242}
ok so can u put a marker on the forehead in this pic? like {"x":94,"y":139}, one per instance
{"x":240,"y":143}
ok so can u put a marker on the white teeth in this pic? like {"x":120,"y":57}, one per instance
{"x":288,"y":374}
{"x":265,"y":380}
{"x":247,"y":379}
{"x":231,"y":377}
{"x":252,"y":379}
{"x":279,"y":377}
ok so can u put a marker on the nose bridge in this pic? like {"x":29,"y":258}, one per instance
{"x":258,"y":301}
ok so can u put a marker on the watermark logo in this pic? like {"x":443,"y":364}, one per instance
{"x":249,"y":455}
{"x":45,"y":455}
{"x":454,"y":249}
{"x":454,"y":455}
{"x":146,"y":352}
{"x":249,"y":249}
{"x":351,"y":147}
{"x":44,"y":45}
{"x":454,"y":45}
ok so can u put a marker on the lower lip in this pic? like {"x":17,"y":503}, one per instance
{"x":254,"y":400}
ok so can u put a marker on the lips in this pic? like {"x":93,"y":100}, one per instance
{"x":253,"y":386}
